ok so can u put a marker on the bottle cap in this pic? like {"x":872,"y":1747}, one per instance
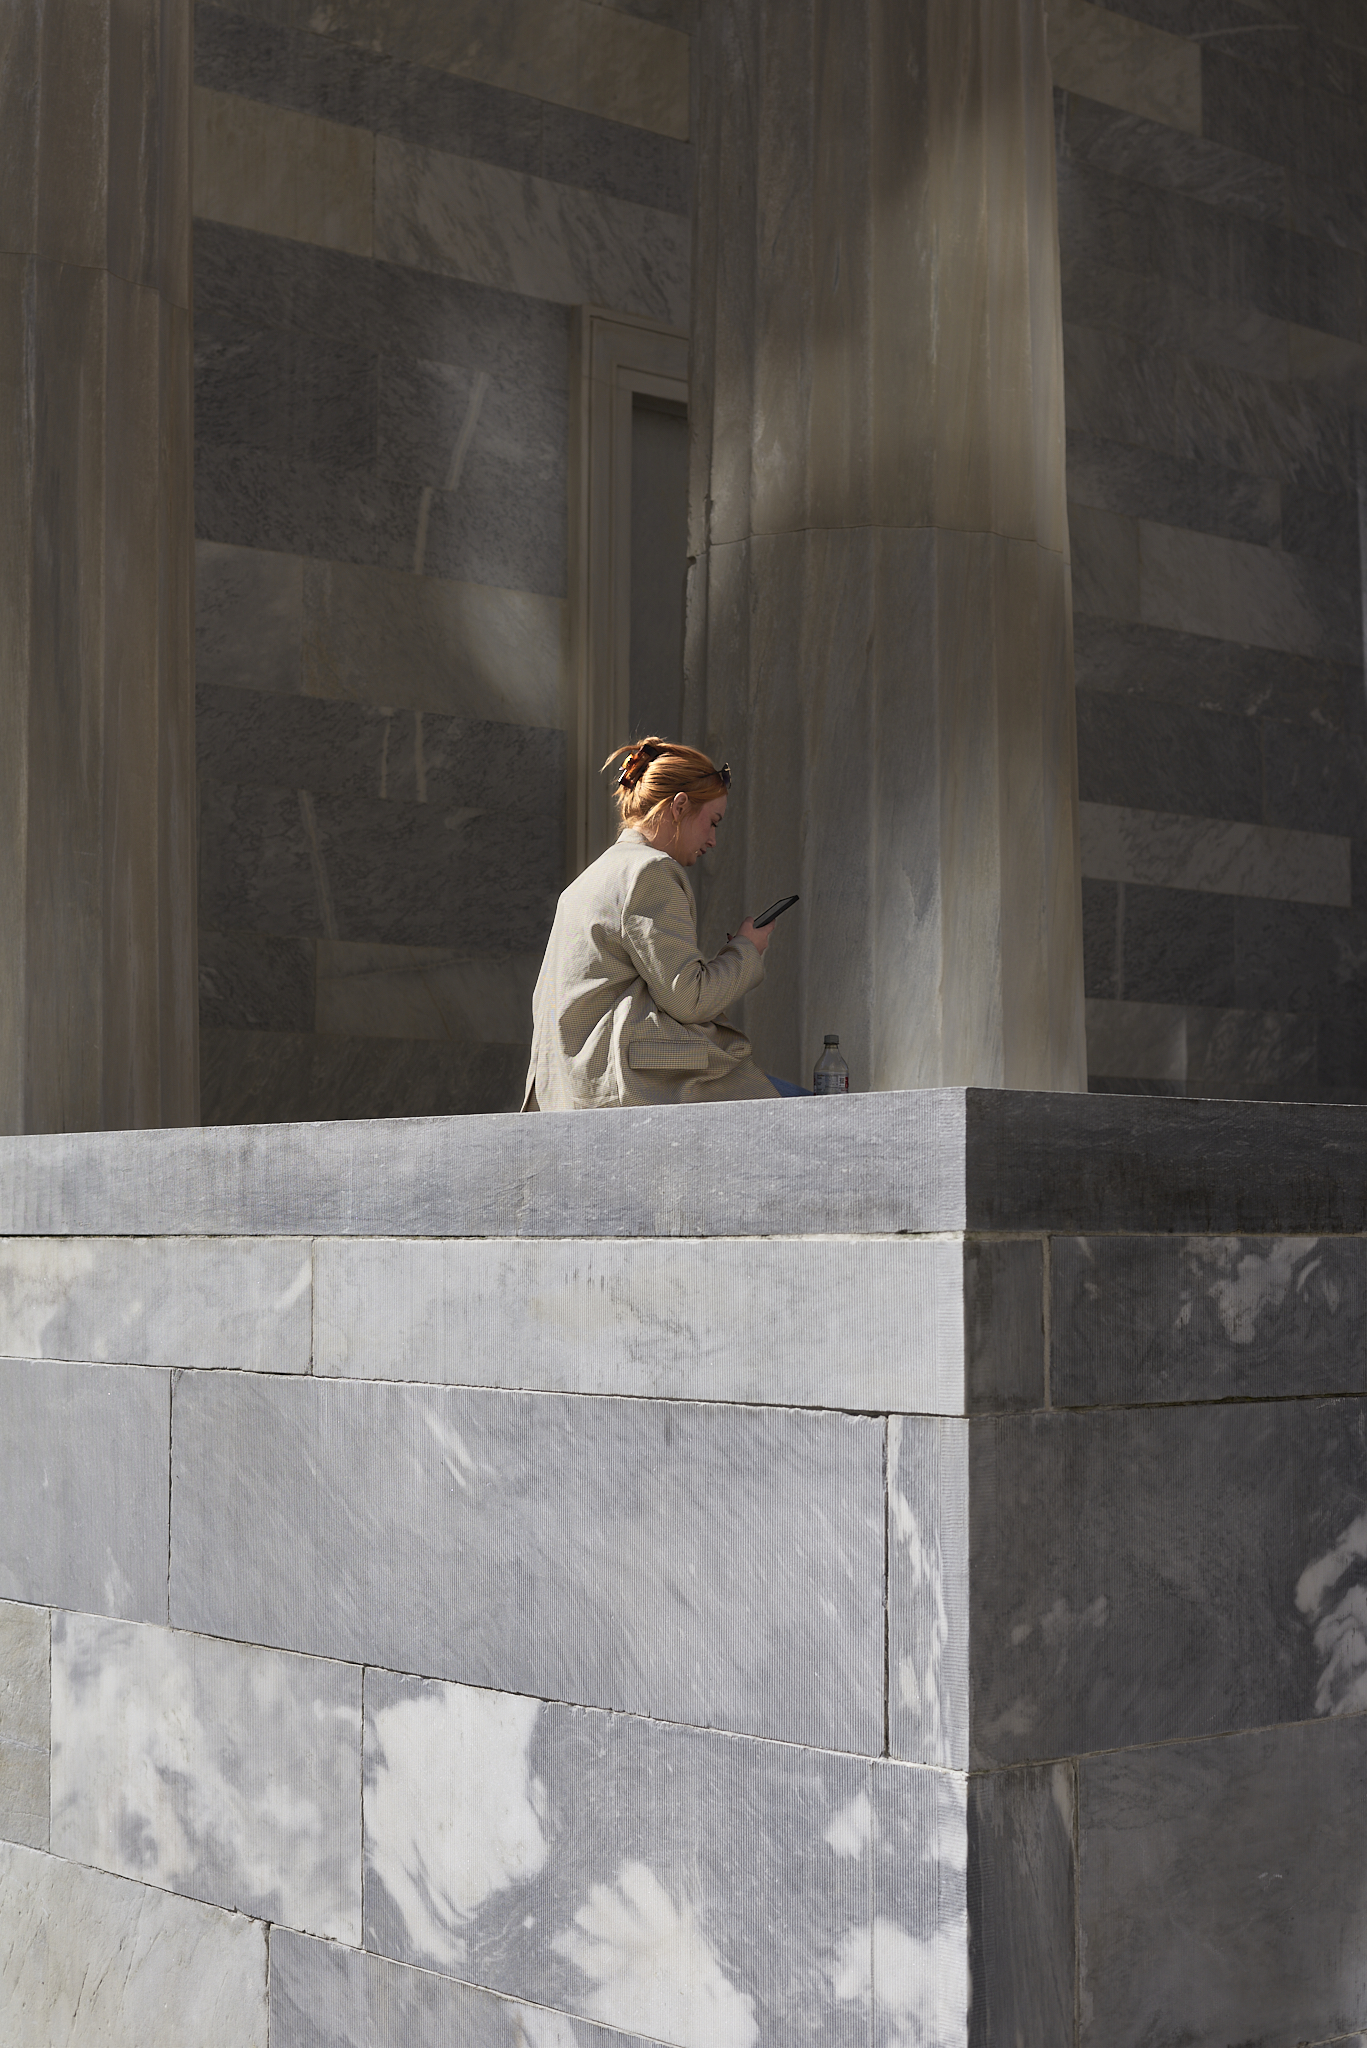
{"x":832,"y":1038}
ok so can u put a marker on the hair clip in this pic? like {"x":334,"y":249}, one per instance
{"x":725,"y":773}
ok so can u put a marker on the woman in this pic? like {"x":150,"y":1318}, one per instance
{"x":626,"y":1010}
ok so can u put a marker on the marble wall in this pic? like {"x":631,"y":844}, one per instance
{"x":1212,"y":176}
{"x":395,"y":209}
{"x":417,"y":1627}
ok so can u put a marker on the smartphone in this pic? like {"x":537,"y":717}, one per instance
{"x":774,"y":910}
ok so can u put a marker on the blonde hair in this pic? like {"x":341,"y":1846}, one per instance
{"x":655,"y":771}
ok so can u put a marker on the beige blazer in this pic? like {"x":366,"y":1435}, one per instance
{"x":626,"y":1010}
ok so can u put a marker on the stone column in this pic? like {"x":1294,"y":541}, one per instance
{"x":879,"y":627}
{"x":97,"y":791}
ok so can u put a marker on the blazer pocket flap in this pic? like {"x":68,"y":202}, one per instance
{"x":678,"y":1055}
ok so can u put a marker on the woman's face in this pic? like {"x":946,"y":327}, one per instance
{"x":695,"y":829}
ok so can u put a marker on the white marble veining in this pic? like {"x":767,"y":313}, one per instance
{"x":218,"y":1770}
{"x":695,"y":1888}
{"x":874,"y":1322}
{"x":93,"y":1961}
{"x":242,"y":1303}
{"x":1332,"y":1596}
{"x":525,"y":234}
{"x":1230,"y":859}
{"x":928,"y":1590}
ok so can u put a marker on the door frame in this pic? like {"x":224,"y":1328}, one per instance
{"x":613,"y":357}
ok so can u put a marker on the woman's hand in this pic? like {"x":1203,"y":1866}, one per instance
{"x":758,"y":939}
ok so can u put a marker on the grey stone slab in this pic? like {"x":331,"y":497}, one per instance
{"x":254,"y":981}
{"x":1143,"y":1575}
{"x":499,"y":528}
{"x":216,"y":1770}
{"x":1299,"y":956}
{"x":460,"y":218}
{"x":1217,"y":675}
{"x":1263,"y":1053}
{"x":1138,"y":1319}
{"x":1102,"y":909}
{"x":236,"y":1303}
{"x":1162,"y":757}
{"x":1315,"y":777}
{"x":606,"y":156}
{"x":929,"y":1591}
{"x":1022,"y":1888}
{"x":1158,"y":315}
{"x":289,"y":1077}
{"x":1115,"y":477}
{"x":25,"y":1723}
{"x":1105,"y":552}
{"x":432,"y":415}
{"x":1226,"y":589}
{"x":248,"y":618}
{"x":706,"y":1564}
{"x":84,"y":1473}
{"x":89,"y":1957}
{"x":1209,"y":413}
{"x":1323,"y":526}
{"x":693,"y":1887}
{"x":392,"y":638}
{"x":1218,"y":1889}
{"x":909,"y":1966}
{"x":409,"y":873}
{"x":395,"y":755}
{"x":314,"y":74}
{"x":282,"y":389}
{"x":1126,"y":145}
{"x":326,"y":1996}
{"x":266,"y":281}
{"x":922,"y":1160}
{"x":1226,"y":858}
{"x":1179,"y":945}
{"x":933,"y":1325}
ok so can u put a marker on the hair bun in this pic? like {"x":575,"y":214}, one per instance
{"x":637,"y":761}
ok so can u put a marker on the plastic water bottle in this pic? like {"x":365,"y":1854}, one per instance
{"x":832,"y":1076}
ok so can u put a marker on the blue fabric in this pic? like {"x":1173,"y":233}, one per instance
{"x":788,"y":1087}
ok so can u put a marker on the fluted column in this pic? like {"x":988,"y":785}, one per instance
{"x":97,"y":793}
{"x":879,"y":629}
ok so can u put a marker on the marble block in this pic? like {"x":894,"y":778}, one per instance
{"x":326,"y":1996}
{"x":719,"y":1565}
{"x":1230,"y":859}
{"x":24,"y":1724}
{"x":1136,"y":1319}
{"x":283,"y":173}
{"x":986,"y":1160}
{"x":429,"y":992}
{"x":86,"y":1957}
{"x":1228,"y":590}
{"x":523,"y":234}
{"x":697,"y":1888}
{"x":248,"y":617}
{"x":466,"y":650}
{"x":1145,"y":1575}
{"x":1219,"y":1889}
{"x":217,"y":1770}
{"x":84,"y":1458}
{"x":1125,"y":63}
{"x":855,"y":1323}
{"x":241,"y":1303}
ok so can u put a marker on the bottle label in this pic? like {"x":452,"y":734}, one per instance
{"x":830,"y":1084}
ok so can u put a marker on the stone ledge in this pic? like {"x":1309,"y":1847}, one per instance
{"x":917,"y":1160}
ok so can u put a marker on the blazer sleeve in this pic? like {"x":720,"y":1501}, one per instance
{"x":659,"y":928}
